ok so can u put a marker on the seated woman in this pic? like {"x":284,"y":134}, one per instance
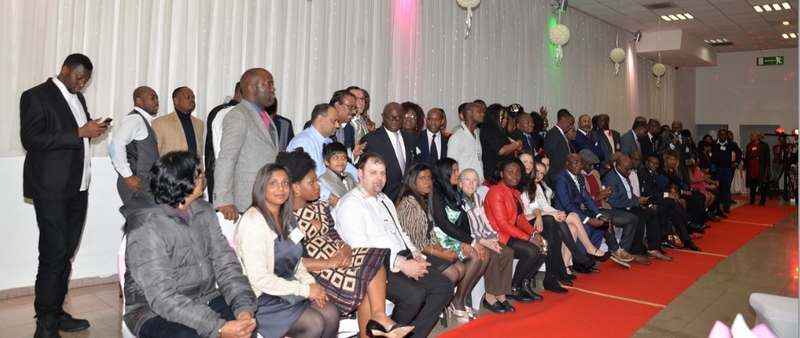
{"x":507,"y":217}
{"x":453,"y":232}
{"x":354,"y":278}
{"x":268,"y":242}
{"x":183,"y":279}
{"x":700,"y":180}
{"x":494,"y":138}
{"x":569,"y":225}
{"x":497,"y":278}
{"x":414,"y":213}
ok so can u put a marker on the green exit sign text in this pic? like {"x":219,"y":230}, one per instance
{"x":770,"y":61}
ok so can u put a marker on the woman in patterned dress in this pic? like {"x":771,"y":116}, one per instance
{"x":354,"y":278}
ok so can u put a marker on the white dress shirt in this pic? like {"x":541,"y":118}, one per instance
{"x":132,"y":128}
{"x":80,"y":119}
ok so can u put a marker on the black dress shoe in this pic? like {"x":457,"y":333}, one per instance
{"x":602,"y":258}
{"x":668,"y":244}
{"x":508,"y":306}
{"x":705,"y":226}
{"x":572,"y":277}
{"x":566,"y":282}
{"x":712,"y":217}
{"x":520,"y":295}
{"x":528,"y":285}
{"x":497,"y":307}
{"x":68,"y":324}
{"x":721,"y":214}
{"x":694,"y":227}
{"x":690,"y":245}
{"x":46,"y":327}
{"x":584,"y":269}
{"x":727,"y":211}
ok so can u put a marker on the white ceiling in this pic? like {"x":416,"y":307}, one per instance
{"x":735,"y":20}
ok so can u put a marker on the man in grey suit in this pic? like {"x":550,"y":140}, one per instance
{"x":250,"y":142}
{"x":608,"y":139}
{"x":629,"y":142}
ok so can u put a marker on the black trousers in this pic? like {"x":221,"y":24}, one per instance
{"x":419,"y":303}
{"x":695,"y":205}
{"x":61,"y":223}
{"x":530,"y":260}
{"x":648,"y":219}
{"x":160,"y":327}
{"x":554,"y":260}
{"x":670,"y":211}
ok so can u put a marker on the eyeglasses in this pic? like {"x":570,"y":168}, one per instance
{"x":410,"y":116}
{"x":349,"y":106}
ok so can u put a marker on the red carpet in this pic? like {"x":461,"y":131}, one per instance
{"x":639,"y":293}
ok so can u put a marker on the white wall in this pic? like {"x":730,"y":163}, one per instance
{"x":737,"y":92}
{"x":97,"y":254}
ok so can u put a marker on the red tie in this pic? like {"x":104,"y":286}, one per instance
{"x":265,"y":118}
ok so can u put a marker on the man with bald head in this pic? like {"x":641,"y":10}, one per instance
{"x":464,"y":144}
{"x":624,"y":198}
{"x":584,"y":138}
{"x":250,"y":142}
{"x":395,"y":145}
{"x":608,"y":139}
{"x":133,"y":148}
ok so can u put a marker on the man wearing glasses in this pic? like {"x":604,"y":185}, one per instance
{"x":395,"y":145}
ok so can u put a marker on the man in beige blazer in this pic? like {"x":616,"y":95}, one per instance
{"x":180,"y":130}
{"x":250,"y":142}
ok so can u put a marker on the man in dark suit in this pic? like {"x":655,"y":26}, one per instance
{"x":623,"y":198}
{"x":522,"y":132}
{"x":629,"y":143}
{"x":210,"y":155}
{"x":608,"y":139}
{"x":652,"y":144}
{"x":432,"y":144}
{"x":669,"y":210}
{"x":572,"y":196}
{"x":396,"y":146}
{"x":55,"y":129}
{"x":556,"y":144}
{"x":584,"y":139}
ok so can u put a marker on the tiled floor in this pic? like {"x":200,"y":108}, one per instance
{"x":767,"y":264}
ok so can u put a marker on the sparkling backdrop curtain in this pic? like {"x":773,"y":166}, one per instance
{"x":399,"y":50}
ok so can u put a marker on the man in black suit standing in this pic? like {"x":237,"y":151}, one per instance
{"x":396,"y":146}
{"x":556,"y":144}
{"x":432,"y":144}
{"x":55,"y":129}
{"x":608,"y":139}
{"x":524,"y":123}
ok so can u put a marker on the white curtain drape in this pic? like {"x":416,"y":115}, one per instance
{"x":399,"y":50}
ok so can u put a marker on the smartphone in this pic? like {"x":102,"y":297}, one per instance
{"x":108,"y":120}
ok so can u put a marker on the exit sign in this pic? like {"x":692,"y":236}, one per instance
{"x":770,"y":61}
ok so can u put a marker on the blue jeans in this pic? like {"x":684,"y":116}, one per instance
{"x":160,"y":327}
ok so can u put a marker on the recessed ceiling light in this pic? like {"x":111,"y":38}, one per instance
{"x":758,"y":9}
{"x":786,"y":5}
{"x":666,"y":18}
{"x":776,"y":7}
{"x":767,"y":8}
{"x":793,"y":35}
{"x":680,"y":16}
{"x":673,"y":17}
{"x":785,"y":36}
{"x":688,"y":15}
{"x":786,"y":23}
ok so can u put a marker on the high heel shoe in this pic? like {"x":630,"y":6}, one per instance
{"x":461,"y":315}
{"x":601,"y":258}
{"x":375,"y":329}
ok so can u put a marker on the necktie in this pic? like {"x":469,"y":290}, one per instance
{"x":528,"y":138}
{"x":433,"y":154}
{"x":265,"y":118}
{"x":577,"y":183}
{"x":360,"y":128}
{"x":401,"y":159}
{"x":638,"y":146}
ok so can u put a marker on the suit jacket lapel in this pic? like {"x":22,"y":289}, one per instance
{"x":58,"y":99}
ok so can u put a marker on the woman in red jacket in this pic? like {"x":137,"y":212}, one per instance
{"x":506,"y":215}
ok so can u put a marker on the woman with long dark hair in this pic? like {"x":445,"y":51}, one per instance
{"x":183,"y":278}
{"x":290,"y":301}
{"x":453,"y":232}
{"x":354,"y":278}
{"x":507,"y":216}
{"x":495,"y":142}
{"x":414,"y":209}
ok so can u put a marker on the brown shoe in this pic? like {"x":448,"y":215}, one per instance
{"x":621,"y":255}
{"x":639,"y":259}
{"x":658,"y":255}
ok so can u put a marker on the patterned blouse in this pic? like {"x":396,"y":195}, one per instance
{"x":416,"y":222}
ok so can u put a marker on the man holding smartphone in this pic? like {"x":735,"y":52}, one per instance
{"x":55,"y":129}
